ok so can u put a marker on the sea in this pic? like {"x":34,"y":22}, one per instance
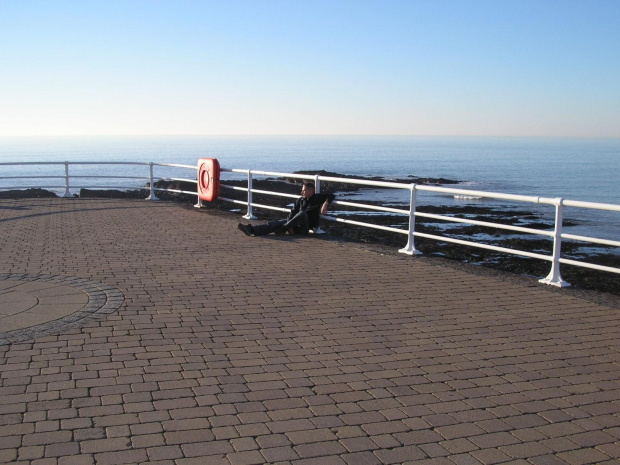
{"x":571,"y":168}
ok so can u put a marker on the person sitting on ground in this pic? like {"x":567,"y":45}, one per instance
{"x":303,"y":216}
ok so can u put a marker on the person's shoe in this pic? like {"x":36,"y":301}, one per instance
{"x":246,"y":229}
{"x":291,"y":231}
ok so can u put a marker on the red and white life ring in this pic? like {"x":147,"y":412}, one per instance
{"x":208,"y":179}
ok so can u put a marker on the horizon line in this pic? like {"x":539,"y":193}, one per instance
{"x":307,"y":135}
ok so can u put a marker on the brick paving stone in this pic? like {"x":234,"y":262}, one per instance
{"x":459,"y":431}
{"x":105,"y":445}
{"x":89,"y":433}
{"x":490,"y":456}
{"x":418,"y":437}
{"x":459,"y":445}
{"x":319,"y":449}
{"x":361,"y":458}
{"x":303,"y":437}
{"x":494,"y":440}
{"x":431,"y":461}
{"x":524,"y":450}
{"x":147,"y":440}
{"x":207,"y":448}
{"x":8,"y":455}
{"x":32,"y":452}
{"x":358,"y":444}
{"x":213,"y":460}
{"x":246,"y":458}
{"x":320,"y":461}
{"x":400,"y":454}
{"x":583,"y":456}
{"x":52,"y":437}
{"x":164,"y":452}
{"x":279,"y":454}
{"x":117,"y":458}
{"x":386,"y":441}
{"x":62,"y":449}
{"x":83,"y":459}
{"x":213,"y":354}
{"x":592,"y":438}
{"x":547,"y":460}
{"x":244,"y":444}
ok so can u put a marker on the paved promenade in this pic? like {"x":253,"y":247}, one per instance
{"x":135,"y":332}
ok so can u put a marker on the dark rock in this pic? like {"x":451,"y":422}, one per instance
{"x":114,"y":194}
{"x":27,"y":194}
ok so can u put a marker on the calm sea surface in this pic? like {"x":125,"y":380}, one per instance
{"x":576,"y":169}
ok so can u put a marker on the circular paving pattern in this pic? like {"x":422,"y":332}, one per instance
{"x":38,"y":305}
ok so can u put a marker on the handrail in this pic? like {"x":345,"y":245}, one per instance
{"x":67,"y":176}
{"x":554,"y":278}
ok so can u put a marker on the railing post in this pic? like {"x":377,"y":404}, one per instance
{"x":410,"y":249}
{"x":249,"y":215}
{"x":67,"y":192}
{"x":152,"y":195}
{"x":317,"y":190}
{"x":198,"y":199}
{"x":554,"y":278}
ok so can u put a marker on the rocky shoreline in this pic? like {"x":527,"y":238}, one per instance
{"x":581,"y":279}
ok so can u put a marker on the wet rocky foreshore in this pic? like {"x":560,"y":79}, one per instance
{"x":390,"y":242}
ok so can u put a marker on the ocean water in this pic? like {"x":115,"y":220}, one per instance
{"x":576,"y":169}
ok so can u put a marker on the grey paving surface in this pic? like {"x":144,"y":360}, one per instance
{"x":236,"y":350}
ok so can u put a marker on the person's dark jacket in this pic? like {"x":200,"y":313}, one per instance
{"x":312,"y":207}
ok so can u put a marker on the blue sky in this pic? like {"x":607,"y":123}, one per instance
{"x":491,"y":68}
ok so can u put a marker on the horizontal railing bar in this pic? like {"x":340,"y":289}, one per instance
{"x":178,"y":179}
{"x":593,"y":205}
{"x":141,"y":163}
{"x":174,"y":165}
{"x":16,"y":163}
{"x":269,"y":207}
{"x":175,"y":190}
{"x":10,"y":188}
{"x":267,"y":173}
{"x":241,"y":202}
{"x":109,"y":187}
{"x":590,"y":265}
{"x":109,"y":163}
{"x":371,"y":207}
{"x":484,"y":246}
{"x":591,"y":239}
{"x":485,"y":223}
{"x":368,"y":225}
{"x":277,"y":194}
{"x":258,"y":191}
{"x":395,"y":185}
{"x":494,"y":195}
{"x":74,"y":176}
{"x":234,"y":188}
{"x":284,"y":175}
{"x":30,"y":177}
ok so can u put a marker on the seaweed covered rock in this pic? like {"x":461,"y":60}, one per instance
{"x":27,"y":194}
{"x":113,"y":194}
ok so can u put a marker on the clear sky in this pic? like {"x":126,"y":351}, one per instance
{"x":415,"y":67}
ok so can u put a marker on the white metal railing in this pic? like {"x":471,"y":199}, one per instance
{"x":67,"y":185}
{"x":553,"y":278}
